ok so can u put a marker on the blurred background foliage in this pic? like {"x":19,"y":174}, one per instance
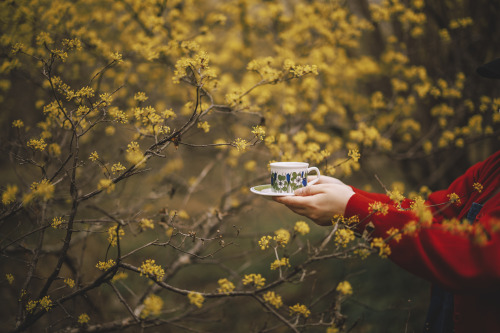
{"x":177,"y":95}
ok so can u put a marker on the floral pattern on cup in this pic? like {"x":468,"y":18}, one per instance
{"x":288,"y":182}
{"x":286,"y":177}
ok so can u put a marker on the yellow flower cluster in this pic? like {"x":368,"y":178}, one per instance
{"x":45,"y":303}
{"x":454,"y":199}
{"x":396,"y":196}
{"x":117,"y":167}
{"x":344,"y":288}
{"x":299,"y":309}
{"x":94,"y":156}
{"x":43,"y":189}
{"x":69,"y":282}
{"x":119,"y":276}
{"x":153,"y":305}
{"x":422,"y":211}
{"x":106,"y":184}
{"x":204,"y":125}
{"x":256,"y":279}
{"x":37,"y":144}
{"x":272,"y":298}
{"x":134,"y":154}
{"x":383,"y":248}
{"x":152,"y":270}
{"x":259,"y":132}
{"x":264,"y":242}
{"x":241,"y":144}
{"x":301,"y":227}
{"x":477,"y":187}
{"x":196,"y":299}
{"x":332,"y":329}
{"x":83,"y":318}
{"x":9,"y":195}
{"x":146,"y":224}
{"x":225,"y":286}
{"x":113,"y":235}
{"x":378,"y":208}
{"x":282,"y":237}
{"x":476,"y":232}
{"x":354,"y":154}
{"x":10,"y":278}
{"x":18,"y":123}
{"x":105,"y":265}
{"x":394,"y":233}
{"x":283,"y":262}
{"x":343,"y":236}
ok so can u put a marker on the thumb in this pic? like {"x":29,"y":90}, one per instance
{"x":308,"y":190}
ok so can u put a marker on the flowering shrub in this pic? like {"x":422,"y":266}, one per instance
{"x":133,"y":130}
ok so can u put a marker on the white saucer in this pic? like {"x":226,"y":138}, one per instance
{"x":266,"y":190}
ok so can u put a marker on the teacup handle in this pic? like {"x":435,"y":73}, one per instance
{"x":317,"y":173}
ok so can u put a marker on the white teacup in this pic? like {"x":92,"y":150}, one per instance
{"x":286,"y":177}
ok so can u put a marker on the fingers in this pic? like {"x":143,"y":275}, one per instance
{"x":309,"y":190}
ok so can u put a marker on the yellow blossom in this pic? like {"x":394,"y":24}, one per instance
{"x":83,"y":318}
{"x":344,"y":236}
{"x":55,"y":149}
{"x":140,"y":96}
{"x":69,"y":282}
{"x":354,"y":154}
{"x":272,"y":298}
{"x":43,"y":189}
{"x":454,"y":199}
{"x":394,"y":233}
{"x":31,"y":305}
{"x":344,"y":288}
{"x":264,"y":242}
{"x":478,"y":187}
{"x":384,"y":249}
{"x":146,"y":223}
{"x":9,"y":195}
{"x":119,"y":276}
{"x":204,"y":125}
{"x":56,"y":222}
{"x":196,"y":299}
{"x":378,"y":208}
{"x":106,"y":184}
{"x":94,"y":156}
{"x":396,"y":196}
{"x":37,"y":144}
{"x":283,"y":262}
{"x":301,"y":227}
{"x":9,"y":277}
{"x":152,"y":306}
{"x":225,"y":286}
{"x":332,"y":329}
{"x":259,"y":132}
{"x":117,"y":167}
{"x":300,"y":309}
{"x":422,"y":211}
{"x":105,"y":265}
{"x":256,"y":279}
{"x":46,"y":303}
{"x":150,"y":269}
{"x":363,"y":253}
{"x":240,"y":144}
{"x":113,"y":234}
{"x":282,"y":237}
{"x":18,"y":123}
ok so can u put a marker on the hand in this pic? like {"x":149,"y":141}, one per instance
{"x":321,"y":201}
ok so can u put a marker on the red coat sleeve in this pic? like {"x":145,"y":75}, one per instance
{"x":454,"y":260}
